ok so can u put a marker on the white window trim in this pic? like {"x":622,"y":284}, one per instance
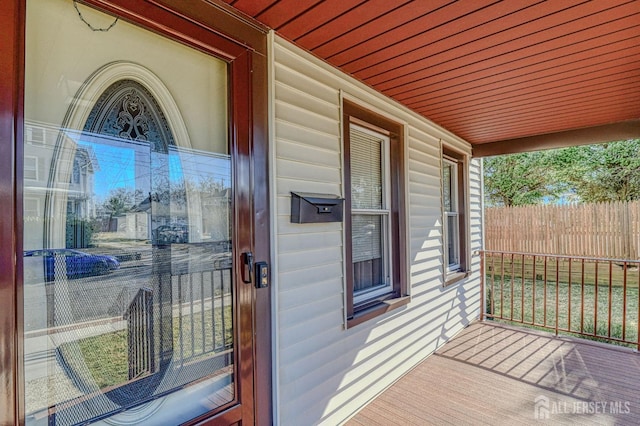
{"x":36,"y":201}
{"x":454,"y":212}
{"x":35,"y":167}
{"x":385,"y":212}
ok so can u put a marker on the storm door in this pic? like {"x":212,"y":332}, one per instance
{"x":132,"y":301}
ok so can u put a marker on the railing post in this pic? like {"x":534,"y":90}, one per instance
{"x":482,"y":286}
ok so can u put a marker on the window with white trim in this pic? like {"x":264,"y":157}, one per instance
{"x":30,"y":167}
{"x":453,"y":201}
{"x":370,"y":200}
{"x":450,"y":192}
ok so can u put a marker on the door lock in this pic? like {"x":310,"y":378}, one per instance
{"x":262,"y":274}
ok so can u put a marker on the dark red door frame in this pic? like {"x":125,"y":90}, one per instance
{"x":11,"y":326}
{"x":214,"y":29}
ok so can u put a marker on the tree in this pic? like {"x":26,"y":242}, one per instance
{"x":604,"y":172}
{"x":590,"y":173}
{"x":119,"y":201}
{"x":518,"y":179}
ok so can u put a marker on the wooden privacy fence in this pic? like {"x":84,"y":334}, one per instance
{"x":605,"y":230}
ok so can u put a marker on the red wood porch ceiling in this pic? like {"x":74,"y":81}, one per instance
{"x":489,"y":71}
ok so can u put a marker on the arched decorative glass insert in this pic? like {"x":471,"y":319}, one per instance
{"x":128,"y":111}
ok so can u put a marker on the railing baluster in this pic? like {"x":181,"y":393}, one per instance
{"x":533,"y":292}
{"x":223,"y":321}
{"x":213,"y":310}
{"x":582,"y":299}
{"x":202,"y":317}
{"x":513,"y":286}
{"x":544,"y":303}
{"x":522,"y":292}
{"x":595,"y":303}
{"x":501,"y":285}
{"x":569,"y":296}
{"x":151,"y":360}
{"x":140,"y":334}
{"x":618,"y":293}
{"x":493,"y":290}
{"x":191,"y":317}
{"x":180,"y":318}
{"x":610,"y":301}
{"x":557,"y":293}
{"x":483,"y":296}
{"x":624,"y":300}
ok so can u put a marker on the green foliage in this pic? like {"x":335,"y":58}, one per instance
{"x":606,"y":172}
{"x":79,"y":232}
{"x":591,"y":173}
{"x":119,"y":202}
{"x":518,"y":179}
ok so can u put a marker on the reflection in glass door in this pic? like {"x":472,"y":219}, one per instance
{"x":129,"y":295}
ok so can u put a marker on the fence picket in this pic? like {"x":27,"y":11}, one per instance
{"x":610,"y":230}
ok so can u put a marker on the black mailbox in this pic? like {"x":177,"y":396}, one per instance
{"x":312,"y":208}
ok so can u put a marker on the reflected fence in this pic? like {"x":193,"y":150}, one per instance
{"x":169,"y":327}
{"x":200,"y":323}
{"x":594,"y":298}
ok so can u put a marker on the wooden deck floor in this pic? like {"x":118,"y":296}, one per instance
{"x":499,"y":375}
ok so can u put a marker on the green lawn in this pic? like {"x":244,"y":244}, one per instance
{"x":519,"y":266}
{"x":525,"y":300}
{"x":106,"y":355}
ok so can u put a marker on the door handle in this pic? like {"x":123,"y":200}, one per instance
{"x":247,"y":267}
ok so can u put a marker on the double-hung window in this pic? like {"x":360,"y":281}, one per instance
{"x":375,"y":246}
{"x":453,"y":200}
{"x":370,"y":201}
{"x":31,"y":167}
{"x":452,"y":223}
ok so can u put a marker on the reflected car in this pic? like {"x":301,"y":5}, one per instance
{"x":76,"y":263}
{"x":171,"y":234}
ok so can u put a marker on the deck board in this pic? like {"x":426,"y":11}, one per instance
{"x":494,"y":374}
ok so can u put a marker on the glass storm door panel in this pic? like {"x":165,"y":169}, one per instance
{"x":129,"y":293}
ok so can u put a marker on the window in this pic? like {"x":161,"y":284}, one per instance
{"x":31,"y":209}
{"x":75,"y":176}
{"x":30,"y":167}
{"x":369,"y":213}
{"x":35,"y":135}
{"x":453,"y":199}
{"x":374,"y":216}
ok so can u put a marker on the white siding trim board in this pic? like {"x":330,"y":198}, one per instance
{"x":275,"y":272}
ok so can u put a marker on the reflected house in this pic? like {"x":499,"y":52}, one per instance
{"x":81,"y":205}
{"x":77,"y":191}
{"x":182,"y":224}
{"x":217,"y":225}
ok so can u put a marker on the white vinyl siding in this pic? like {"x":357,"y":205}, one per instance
{"x":324,"y":372}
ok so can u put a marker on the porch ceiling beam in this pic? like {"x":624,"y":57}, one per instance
{"x":598,"y":134}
